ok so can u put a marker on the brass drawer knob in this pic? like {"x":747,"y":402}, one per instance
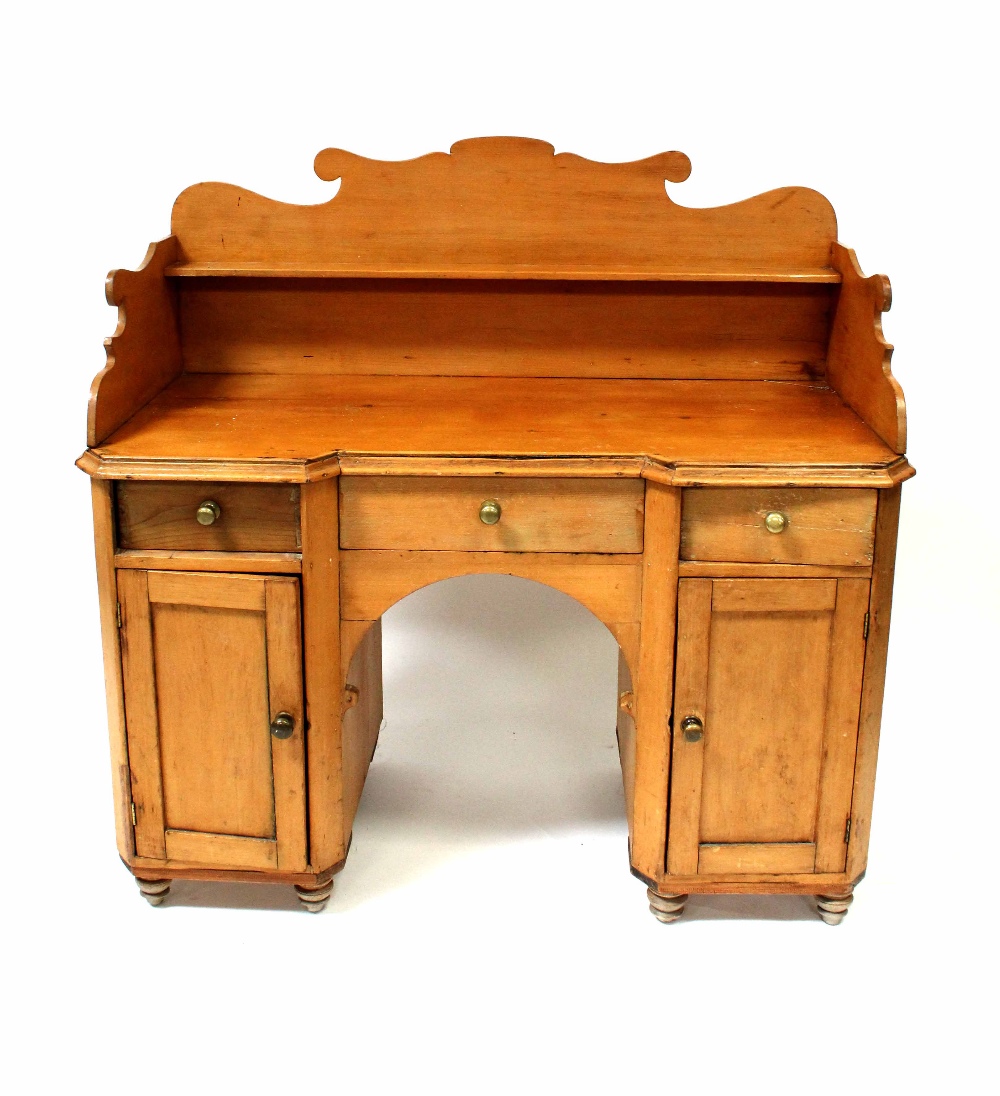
{"x":693,"y":729}
{"x":208,"y":513}
{"x":489,"y":512}
{"x":283,"y":725}
{"x":775,"y":522}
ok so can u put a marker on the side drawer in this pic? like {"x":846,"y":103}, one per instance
{"x":825,"y":526}
{"x":536,"y":515}
{"x":252,"y":517}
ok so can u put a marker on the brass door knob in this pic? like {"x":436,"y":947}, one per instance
{"x":775,"y":522}
{"x":208,"y":513}
{"x":693,"y":729}
{"x":283,"y":725}
{"x":489,"y":512}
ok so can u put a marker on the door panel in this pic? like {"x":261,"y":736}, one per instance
{"x":772,"y":668}
{"x":208,"y":660}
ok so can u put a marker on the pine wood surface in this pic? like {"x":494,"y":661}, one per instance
{"x":208,"y":660}
{"x":859,"y":358}
{"x":324,"y":686}
{"x":253,"y":517}
{"x":144,"y":353}
{"x":873,"y":688}
{"x":537,"y":515}
{"x":102,"y":497}
{"x":363,"y":720}
{"x":226,"y":562}
{"x":609,"y":586}
{"x":654,"y":679}
{"x":772,"y":668}
{"x":492,"y":204}
{"x":482,"y":328}
{"x":825,"y":525}
{"x":217,"y":417}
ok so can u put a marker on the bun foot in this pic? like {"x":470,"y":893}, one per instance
{"x":314,"y":899}
{"x":666,"y":907}
{"x":833,"y":908}
{"x":154,"y":890}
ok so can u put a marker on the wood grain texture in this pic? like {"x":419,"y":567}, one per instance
{"x":285,"y":694}
{"x":139,"y":680}
{"x":654,"y":680}
{"x":840,"y":736}
{"x":362,"y":722}
{"x":694,"y":622}
{"x":491,"y":204}
{"x":609,"y":586}
{"x":537,"y":515}
{"x":323,"y":682}
{"x":107,"y":596}
{"x":219,"y":848}
{"x":208,"y":658}
{"x":208,"y":417}
{"x":211,"y":674}
{"x":208,"y":591}
{"x":481,"y":328}
{"x":153,"y":559}
{"x":792,"y":858}
{"x":144,"y":353}
{"x":859,"y":363}
{"x":625,"y":735}
{"x":261,"y":517}
{"x":825,"y":525}
{"x":701,"y":569}
{"x":873,"y":689}
{"x":772,"y":667}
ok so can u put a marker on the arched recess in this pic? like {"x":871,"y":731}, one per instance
{"x":608,"y":586}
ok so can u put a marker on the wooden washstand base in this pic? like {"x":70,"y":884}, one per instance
{"x":154,"y":890}
{"x":832,"y":908}
{"x":314,"y":899}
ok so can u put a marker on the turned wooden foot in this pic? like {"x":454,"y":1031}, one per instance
{"x":154,"y":890}
{"x":833,"y":908}
{"x":314,"y":899}
{"x":666,"y":907}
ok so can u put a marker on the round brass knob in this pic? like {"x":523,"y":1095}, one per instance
{"x":489,"y":512}
{"x":283,"y":725}
{"x":208,"y":513}
{"x":693,"y":729}
{"x":775,"y":522}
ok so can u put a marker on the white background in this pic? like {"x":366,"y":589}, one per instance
{"x":486,"y":935}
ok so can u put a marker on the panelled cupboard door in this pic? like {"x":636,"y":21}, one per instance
{"x":771,"y":670}
{"x":208,"y":661}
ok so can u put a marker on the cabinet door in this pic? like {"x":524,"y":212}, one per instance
{"x":208,"y":661}
{"x":772,"y":669}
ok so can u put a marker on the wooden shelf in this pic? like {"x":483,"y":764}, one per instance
{"x":245,"y":417}
{"x":812,"y":276}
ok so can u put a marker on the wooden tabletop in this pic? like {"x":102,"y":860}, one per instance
{"x":255,"y":417}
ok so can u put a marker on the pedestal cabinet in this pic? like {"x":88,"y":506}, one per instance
{"x":498,"y":360}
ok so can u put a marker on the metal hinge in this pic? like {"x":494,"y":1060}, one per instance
{"x":133,"y":814}
{"x":867,"y":619}
{"x":847,"y":832}
{"x":118,"y":612}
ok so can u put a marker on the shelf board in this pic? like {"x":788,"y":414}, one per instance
{"x":810,"y":276}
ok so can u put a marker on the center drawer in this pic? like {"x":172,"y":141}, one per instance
{"x":215,"y":517}
{"x":486,"y":514}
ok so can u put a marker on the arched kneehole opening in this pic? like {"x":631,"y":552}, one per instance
{"x":500,"y":709}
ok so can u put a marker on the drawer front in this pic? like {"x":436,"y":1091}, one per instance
{"x":825,"y":526}
{"x":252,"y":517}
{"x":446,"y":514}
